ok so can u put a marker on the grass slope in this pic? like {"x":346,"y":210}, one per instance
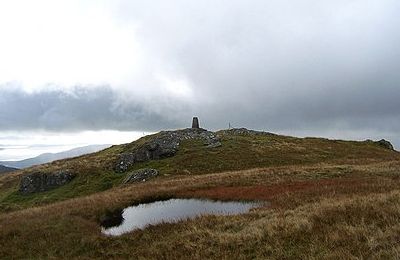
{"x":238,"y":152}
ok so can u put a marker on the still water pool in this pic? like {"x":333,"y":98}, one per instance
{"x":173,"y":210}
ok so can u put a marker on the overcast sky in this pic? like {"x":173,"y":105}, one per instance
{"x":307,"y":67}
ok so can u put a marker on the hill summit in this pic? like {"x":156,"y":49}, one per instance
{"x":164,"y":145}
{"x":183,"y":152}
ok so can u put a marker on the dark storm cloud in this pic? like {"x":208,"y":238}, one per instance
{"x":81,"y":108}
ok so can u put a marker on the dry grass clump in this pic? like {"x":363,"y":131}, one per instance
{"x":352,"y":227}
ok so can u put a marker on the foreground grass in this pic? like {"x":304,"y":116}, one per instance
{"x":319,"y":211}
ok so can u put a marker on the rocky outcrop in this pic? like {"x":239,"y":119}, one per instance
{"x":243,"y":131}
{"x":385,"y":144}
{"x":140,"y":175}
{"x":40,"y":181}
{"x":163,"y":145}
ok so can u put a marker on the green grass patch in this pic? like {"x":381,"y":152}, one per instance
{"x":80,"y":186}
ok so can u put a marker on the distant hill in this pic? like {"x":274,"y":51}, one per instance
{"x":49,"y":157}
{"x":5,"y":169}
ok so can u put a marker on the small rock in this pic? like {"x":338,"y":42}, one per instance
{"x":141,"y":175}
{"x":214,"y":145}
{"x":244,"y":131}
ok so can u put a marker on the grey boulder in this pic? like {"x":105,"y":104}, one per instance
{"x":41,"y":181}
{"x":385,"y":144}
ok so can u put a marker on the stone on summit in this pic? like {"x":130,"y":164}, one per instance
{"x":195,"y":123}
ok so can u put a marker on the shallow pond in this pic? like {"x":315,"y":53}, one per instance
{"x":171,"y":211}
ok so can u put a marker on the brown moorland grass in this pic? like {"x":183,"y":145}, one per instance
{"x":319,"y":211}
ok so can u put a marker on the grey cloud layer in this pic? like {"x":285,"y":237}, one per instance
{"x":80,"y":109}
{"x":282,"y":64}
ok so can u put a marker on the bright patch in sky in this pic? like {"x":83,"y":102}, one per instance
{"x":64,"y":42}
{"x":18,"y":146}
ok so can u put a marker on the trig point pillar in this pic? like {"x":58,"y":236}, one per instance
{"x":195,"y":123}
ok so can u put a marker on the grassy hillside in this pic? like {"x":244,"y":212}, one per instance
{"x":327,"y":199}
{"x":238,"y":152}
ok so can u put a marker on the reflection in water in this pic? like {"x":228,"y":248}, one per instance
{"x":174,"y":210}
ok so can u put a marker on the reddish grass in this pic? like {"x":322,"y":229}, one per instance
{"x":272,"y":193}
